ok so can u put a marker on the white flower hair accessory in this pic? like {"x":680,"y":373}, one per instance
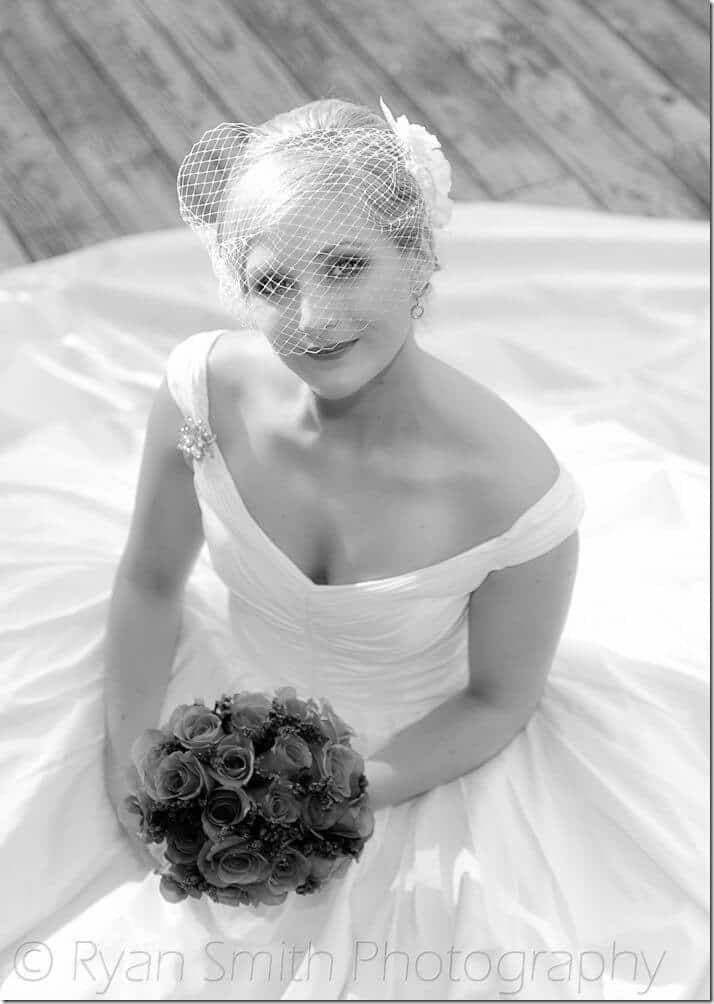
{"x":427,"y":164}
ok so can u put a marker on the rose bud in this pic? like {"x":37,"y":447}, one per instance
{"x":171,"y":890}
{"x":183,"y":844}
{"x":262,"y":893}
{"x":179,"y":775}
{"x":148,"y":750}
{"x":294,"y":705}
{"x":134,"y":812}
{"x":324,"y":869}
{"x":332,"y":726}
{"x":290,"y":869}
{"x":249,"y":710}
{"x":355,"y":820}
{"x":289,"y":755}
{"x":225,"y":807}
{"x":320,"y":812}
{"x":279,"y":803}
{"x":232,"y":862}
{"x":343,"y":766}
{"x":195,"y":726}
{"x":232,"y":761}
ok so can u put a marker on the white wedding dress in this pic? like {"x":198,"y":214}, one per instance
{"x":573,"y":863}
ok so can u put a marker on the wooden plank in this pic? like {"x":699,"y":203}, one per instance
{"x":162,"y":90}
{"x":698,"y":10}
{"x":234,"y":64}
{"x":85,"y":116}
{"x":585,"y":137}
{"x":636,"y":93}
{"x":327,"y":66}
{"x":47,"y":202}
{"x":672,"y":42}
{"x":12,"y":252}
{"x":459,"y":102}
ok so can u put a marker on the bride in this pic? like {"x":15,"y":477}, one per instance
{"x":393,"y":536}
{"x":364,"y":462}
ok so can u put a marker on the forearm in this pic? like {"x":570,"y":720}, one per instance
{"x":142,"y":633}
{"x":455,"y":737}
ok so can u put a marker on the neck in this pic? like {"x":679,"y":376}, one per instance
{"x":382,"y":411}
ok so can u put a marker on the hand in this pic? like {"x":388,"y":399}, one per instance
{"x":120,"y":781}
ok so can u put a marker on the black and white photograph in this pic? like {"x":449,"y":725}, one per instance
{"x":355,"y":528}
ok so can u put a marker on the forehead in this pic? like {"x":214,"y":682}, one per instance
{"x":286,"y":224}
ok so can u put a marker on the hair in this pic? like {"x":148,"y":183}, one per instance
{"x":314,"y":143}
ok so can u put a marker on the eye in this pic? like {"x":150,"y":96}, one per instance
{"x":272,"y":284}
{"x":347,"y":267}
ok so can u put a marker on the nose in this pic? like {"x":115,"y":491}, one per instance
{"x":313,"y":314}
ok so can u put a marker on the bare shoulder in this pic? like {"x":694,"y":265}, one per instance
{"x":240,"y":370}
{"x":519,"y":464}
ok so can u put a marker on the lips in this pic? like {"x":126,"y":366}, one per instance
{"x":335,"y":349}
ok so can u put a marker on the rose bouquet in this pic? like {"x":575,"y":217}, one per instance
{"x":252,"y":800}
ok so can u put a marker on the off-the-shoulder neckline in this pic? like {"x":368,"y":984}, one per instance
{"x":234,"y":495}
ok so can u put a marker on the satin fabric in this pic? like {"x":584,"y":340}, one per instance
{"x":572,"y":864}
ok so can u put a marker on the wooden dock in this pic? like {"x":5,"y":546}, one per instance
{"x":601,"y":104}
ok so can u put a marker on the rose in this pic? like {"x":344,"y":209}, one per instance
{"x":332,"y":726}
{"x":290,"y":869}
{"x":232,"y":862}
{"x":293,"y":705}
{"x":262,"y":893}
{"x":355,"y":820}
{"x":149,"y":749}
{"x":134,"y":813}
{"x":177,"y":775}
{"x":195,"y":726}
{"x":289,"y":755}
{"x":343,"y":766}
{"x":171,"y":890}
{"x":319,"y":811}
{"x":232,"y":761}
{"x":225,"y":807}
{"x":249,"y":710}
{"x":183,"y":842}
{"x":235,"y":895}
{"x":279,"y":802}
{"x":324,"y":869}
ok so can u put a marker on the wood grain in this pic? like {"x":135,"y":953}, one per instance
{"x":457,"y":101}
{"x":598,"y":151}
{"x":162,"y":89}
{"x":641,"y":98}
{"x":47,"y":200}
{"x":672,"y":43}
{"x":327,"y":64}
{"x":700,"y":11}
{"x":12,"y":252}
{"x":235,"y":66}
{"x":86,"y":118}
{"x":585,"y":103}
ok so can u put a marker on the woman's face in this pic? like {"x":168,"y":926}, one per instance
{"x":323,"y":276}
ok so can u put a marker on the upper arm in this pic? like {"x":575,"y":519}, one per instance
{"x":517,"y":615}
{"x":516,"y":618}
{"x":166,"y":531}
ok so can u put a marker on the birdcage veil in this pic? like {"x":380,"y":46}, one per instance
{"x":305,"y":216}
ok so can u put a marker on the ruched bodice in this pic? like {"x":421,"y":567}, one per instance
{"x":403,"y":639}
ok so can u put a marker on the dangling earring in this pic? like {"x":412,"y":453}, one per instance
{"x":417,"y":309}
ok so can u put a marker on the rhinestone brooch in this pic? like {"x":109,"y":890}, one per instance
{"x":195,"y":440}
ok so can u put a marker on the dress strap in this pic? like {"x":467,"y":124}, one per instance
{"x":186,"y":380}
{"x":547,"y":523}
{"x":186,"y":375}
